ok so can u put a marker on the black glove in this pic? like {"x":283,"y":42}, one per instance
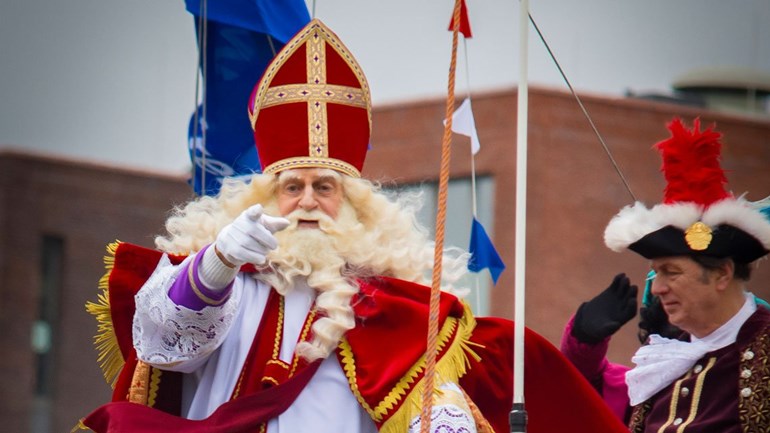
{"x":653,"y":320}
{"x":603,"y":315}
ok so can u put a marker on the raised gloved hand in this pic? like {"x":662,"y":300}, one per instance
{"x":603,"y":315}
{"x":653,"y":320}
{"x":249,"y":238}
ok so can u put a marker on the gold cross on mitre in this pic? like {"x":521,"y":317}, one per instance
{"x":327,"y":76}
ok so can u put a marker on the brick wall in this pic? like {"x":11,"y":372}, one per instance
{"x":87,"y":206}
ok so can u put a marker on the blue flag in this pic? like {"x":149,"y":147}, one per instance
{"x":483,"y":253}
{"x":279,"y":19}
{"x":242,"y":37}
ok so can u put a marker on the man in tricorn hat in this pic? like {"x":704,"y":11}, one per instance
{"x":294,"y":302}
{"x":702,"y":243}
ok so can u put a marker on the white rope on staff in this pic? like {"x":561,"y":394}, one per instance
{"x":521,"y":209}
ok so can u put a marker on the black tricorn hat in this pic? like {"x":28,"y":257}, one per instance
{"x":697,"y":215}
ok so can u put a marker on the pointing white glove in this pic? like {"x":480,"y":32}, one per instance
{"x":249,"y":238}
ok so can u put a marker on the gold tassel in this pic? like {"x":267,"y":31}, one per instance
{"x":109,"y":357}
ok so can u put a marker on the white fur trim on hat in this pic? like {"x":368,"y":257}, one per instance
{"x":742,"y":214}
{"x":634,"y":222}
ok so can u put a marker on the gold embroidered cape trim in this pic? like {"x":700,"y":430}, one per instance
{"x":279,"y":328}
{"x":277,"y":338}
{"x":277,"y":342}
{"x":154,"y":386}
{"x":450,"y":368}
{"x":309,"y":320}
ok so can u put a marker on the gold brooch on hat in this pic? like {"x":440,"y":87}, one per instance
{"x":698,"y":236}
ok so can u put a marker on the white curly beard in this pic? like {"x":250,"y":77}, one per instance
{"x":312,"y":254}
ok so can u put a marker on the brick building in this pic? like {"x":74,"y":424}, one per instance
{"x":57,"y":216}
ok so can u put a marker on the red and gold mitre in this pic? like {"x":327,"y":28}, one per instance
{"x":312,"y":107}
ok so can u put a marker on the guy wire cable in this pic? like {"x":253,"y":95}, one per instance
{"x":585,"y":112}
{"x":477,"y":294}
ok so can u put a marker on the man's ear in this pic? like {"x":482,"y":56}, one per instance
{"x":724,"y":274}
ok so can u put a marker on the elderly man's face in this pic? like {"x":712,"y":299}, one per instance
{"x":688,"y":293}
{"x":310,"y":189}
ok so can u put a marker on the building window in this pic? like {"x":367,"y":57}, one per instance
{"x":457,"y":233}
{"x":43,"y":330}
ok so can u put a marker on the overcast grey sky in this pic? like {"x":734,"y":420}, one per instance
{"x":113,"y":81}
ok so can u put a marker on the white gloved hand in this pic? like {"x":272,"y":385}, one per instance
{"x":249,"y":238}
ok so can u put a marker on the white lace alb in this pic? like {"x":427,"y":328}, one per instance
{"x":450,"y":413}
{"x":165,"y":333}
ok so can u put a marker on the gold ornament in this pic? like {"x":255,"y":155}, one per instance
{"x":698,"y":236}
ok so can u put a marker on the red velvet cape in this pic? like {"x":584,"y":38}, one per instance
{"x":387,"y":344}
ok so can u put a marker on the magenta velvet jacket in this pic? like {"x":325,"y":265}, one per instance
{"x":608,"y":379}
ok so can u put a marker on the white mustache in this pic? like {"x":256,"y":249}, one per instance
{"x":315,"y":215}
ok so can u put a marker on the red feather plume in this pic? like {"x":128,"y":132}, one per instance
{"x":691,"y":165}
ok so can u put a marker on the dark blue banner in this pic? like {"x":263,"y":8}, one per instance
{"x":241,"y":38}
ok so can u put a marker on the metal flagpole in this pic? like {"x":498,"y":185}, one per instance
{"x":518,"y":415}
